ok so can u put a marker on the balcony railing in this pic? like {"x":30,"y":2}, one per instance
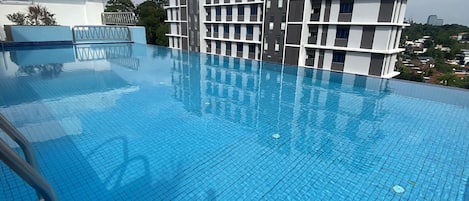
{"x":90,"y":34}
{"x":118,"y":18}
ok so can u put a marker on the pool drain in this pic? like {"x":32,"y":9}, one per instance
{"x":398,"y":189}
{"x":276,"y":136}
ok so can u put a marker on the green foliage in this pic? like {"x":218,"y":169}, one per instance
{"x":406,"y":74}
{"x":152,"y":15}
{"x":443,"y":67}
{"x":450,"y":79}
{"x":17,"y":18}
{"x":440,"y":36}
{"x":37,"y":15}
{"x":119,"y":6}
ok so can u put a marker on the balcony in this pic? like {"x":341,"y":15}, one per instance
{"x":309,"y":62}
{"x":313,"y":39}
{"x":253,"y":18}
{"x":240,"y":17}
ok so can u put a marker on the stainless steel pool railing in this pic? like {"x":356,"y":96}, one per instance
{"x":28,"y":170}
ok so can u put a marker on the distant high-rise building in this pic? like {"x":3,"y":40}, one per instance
{"x":354,"y":36}
{"x":434,"y":20}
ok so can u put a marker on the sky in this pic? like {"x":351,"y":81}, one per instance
{"x":451,"y":11}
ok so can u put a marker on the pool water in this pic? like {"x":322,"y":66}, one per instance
{"x":135,"y":122}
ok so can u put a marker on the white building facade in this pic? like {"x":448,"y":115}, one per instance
{"x":67,"y":12}
{"x":353,"y":36}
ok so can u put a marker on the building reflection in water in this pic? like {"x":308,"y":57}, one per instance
{"x":318,"y":113}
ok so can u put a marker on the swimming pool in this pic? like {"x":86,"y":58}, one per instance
{"x":134,"y":122}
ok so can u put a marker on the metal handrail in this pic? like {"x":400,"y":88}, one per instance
{"x":118,"y":18}
{"x":100,"y":34}
{"x":28,"y":171}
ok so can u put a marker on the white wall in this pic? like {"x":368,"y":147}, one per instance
{"x":331,"y":35}
{"x":335,"y":7}
{"x":357,"y":63}
{"x":328,"y":59}
{"x":355,"y":37}
{"x":381,"y":39}
{"x":67,"y":12}
{"x":365,"y":11}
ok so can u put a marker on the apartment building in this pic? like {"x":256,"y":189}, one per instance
{"x":353,"y":36}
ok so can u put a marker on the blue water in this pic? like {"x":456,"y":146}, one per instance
{"x":134,"y":122}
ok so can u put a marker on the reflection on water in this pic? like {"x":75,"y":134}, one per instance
{"x":47,"y":71}
{"x":49,"y":62}
{"x":55,"y":85}
{"x":317,"y":113}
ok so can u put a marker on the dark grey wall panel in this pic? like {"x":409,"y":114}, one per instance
{"x":327,"y":12}
{"x":337,"y":66}
{"x":341,"y":42}
{"x":325,"y":28}
{"x":345,"y":17}
{"x":294,"y":34}
{"x":296,"y":11}
{"x":376,"y":64}
{"x":194,"y":28}
{"x":183,"y":13}
{"x":291,"y":55}
{"x":184,"y":44}
{"x":367,"y":37}
{"x":321,"y":59}
{"x":386,"y":10}
{"x":184,"y":28}
{"x":275,"y":15}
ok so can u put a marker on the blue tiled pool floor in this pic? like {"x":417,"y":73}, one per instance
{"x":185,"y":126}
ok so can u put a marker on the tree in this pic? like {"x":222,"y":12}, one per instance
{"x":119,"y":6}
{"x":406,"y":74}
{"x":152,"y":15}
{"x":37,"y":15}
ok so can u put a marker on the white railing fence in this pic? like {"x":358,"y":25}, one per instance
{"x":118,"y":18}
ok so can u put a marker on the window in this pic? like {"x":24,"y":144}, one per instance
{"x":346,"y":7}
{"x":252,"y":48}
{"x":218,"y":44}
{"x":316,"y":11}
{"x":241,"y":10}
{"x":253,"y":9}
{"x":282,"y":26}
{"x":271,"y":26}
{"x":240,"y":47}
{"x":229,"y":10}
{"x":218,"y":10}
{"x":280,"y":3}
{"x":342,"y":32}
{"x":228,"y":46}
{"x":237,"y":28}
{"x":277,"y":46}
{"x":338,"y":57}
{"x":226,"y":28}
{"x":268,"y":4}
{"x":215,"y":28}
{"x":249,"y":29}
{"x":266,"y":46}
